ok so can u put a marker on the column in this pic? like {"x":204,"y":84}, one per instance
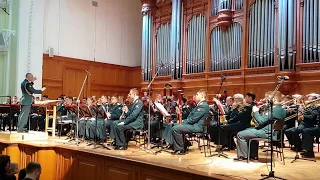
{"x":30,"y":42}
{"x":147,"y":38}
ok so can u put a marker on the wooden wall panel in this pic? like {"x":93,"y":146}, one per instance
{"x":66,"y":75}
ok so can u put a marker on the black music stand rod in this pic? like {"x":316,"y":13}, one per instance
{"x":220,"y":151}
{"x":271,"y":172}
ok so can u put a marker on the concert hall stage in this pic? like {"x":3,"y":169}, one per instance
{"x":61,"y":160}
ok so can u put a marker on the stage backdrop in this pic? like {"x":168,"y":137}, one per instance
{"x":65,"y":76}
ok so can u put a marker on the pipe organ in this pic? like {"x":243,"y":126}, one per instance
{"x":261,"y":34}
{"x":193,"y":42}
{"x":311,"y":28}
{"x":196,"y":44}
{"x":147,"y":43}
{"x":163,"y":50}
{"x":287,"y":33}
{"x":226,"y":48}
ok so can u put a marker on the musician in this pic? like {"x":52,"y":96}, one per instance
{"x":239,"y":122}
{"x":85,"y":120}
{"x":45,"y":98}
{"x":112,"y":112}
{"x":193,"y":124}
{"x":262,"y":131}
{"x":26,"y":100}
{"x":308,"y":120}
{"x":133,"y":120}
{"x":185,"y":109}
{"x":15,"y":100}
{"x":155,"y":120}
{"x":308,"y":135}
{"x":231,"y":111}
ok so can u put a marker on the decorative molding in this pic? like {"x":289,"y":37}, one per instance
{"x":146,"y":8}
{"x":225,"y":17}
{"x":311,"y":68}
{"x":225,"y":74}
{"x":195,"y":77}
{"x":268,"y":71}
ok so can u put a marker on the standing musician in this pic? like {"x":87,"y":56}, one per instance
{"x":308,"y":120}
{"x":239,"y":122}
{"x":261,"y":131}
{"x":193,"y":124}
{"x":26,"y":100}
{"x":133,"y":121}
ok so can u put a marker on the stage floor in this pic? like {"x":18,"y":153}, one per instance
{"x":194,"y":161}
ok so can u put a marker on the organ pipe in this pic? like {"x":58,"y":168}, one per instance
{"x":196,"y":45}
{"x":163,"y":50}
{"x":311,"y":28}
{"x":239,"y":4}
{"x":215,"y":7}
{"x":147,"y":43}
{"x":261,"y":34}
{"x":287,"y":34}
{"x":226,"y":48}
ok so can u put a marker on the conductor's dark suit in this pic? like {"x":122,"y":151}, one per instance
{"x":193,"y":124}
{"x":133,"y":120}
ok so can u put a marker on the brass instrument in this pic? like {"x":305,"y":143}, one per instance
{"x":309,"y":105}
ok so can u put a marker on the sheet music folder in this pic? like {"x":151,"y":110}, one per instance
{"x":163,"y":110}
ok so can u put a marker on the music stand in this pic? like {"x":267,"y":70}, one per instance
{"x":165,"y":115}
{"x":72,"y":109}
{"x":100,"y":115}
{"x":80,"y":113}
{"x":39,"y":110}
{"x":221,"y":113}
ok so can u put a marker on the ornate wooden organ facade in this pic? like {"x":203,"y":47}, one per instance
{"x":191,"y":43}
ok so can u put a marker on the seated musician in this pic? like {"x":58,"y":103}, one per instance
{"x":155,"y":120}
{"x":193,"y":124}
{"x":84,"y":120}
{"x":239,"y":122}
{"x":261,"y":131}
{"x":308,"y":135}
{"x":37,"y":120}
{"x":308,"y":120}
{"x":112,"y":112}
{"x":230,"y":113}
{"x":291,"y":110}
{"x":133,"y":121}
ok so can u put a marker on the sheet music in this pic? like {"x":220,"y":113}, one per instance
{"x":162,"y":109}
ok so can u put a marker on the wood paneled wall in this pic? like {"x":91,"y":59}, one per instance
{"x":66,"y":75}
{"x":304,"y":80}
{"x":72,"y":163}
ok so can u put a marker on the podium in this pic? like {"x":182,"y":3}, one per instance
{"x":51,"y":108}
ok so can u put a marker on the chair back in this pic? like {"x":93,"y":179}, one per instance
{"x":278,"y":125}
{"x":207,"y":121}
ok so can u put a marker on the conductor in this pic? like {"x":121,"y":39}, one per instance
{"x":26,"y":100}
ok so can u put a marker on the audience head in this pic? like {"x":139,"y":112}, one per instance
{"x":201,"y":95}
{"x":250,"y":97}
{"x":4,"y":164}
{"x":33,"y":170}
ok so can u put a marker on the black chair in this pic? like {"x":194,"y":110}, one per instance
{"x":277,"y":126}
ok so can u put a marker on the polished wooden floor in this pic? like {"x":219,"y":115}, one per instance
{"x":195,"y":161}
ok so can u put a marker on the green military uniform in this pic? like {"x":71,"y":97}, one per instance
{"x":115,"y":111}
{"x":133,"y":120}
{"x":25,"y":103}
{"x":193,"y":124}
{"x":262,"y":131}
